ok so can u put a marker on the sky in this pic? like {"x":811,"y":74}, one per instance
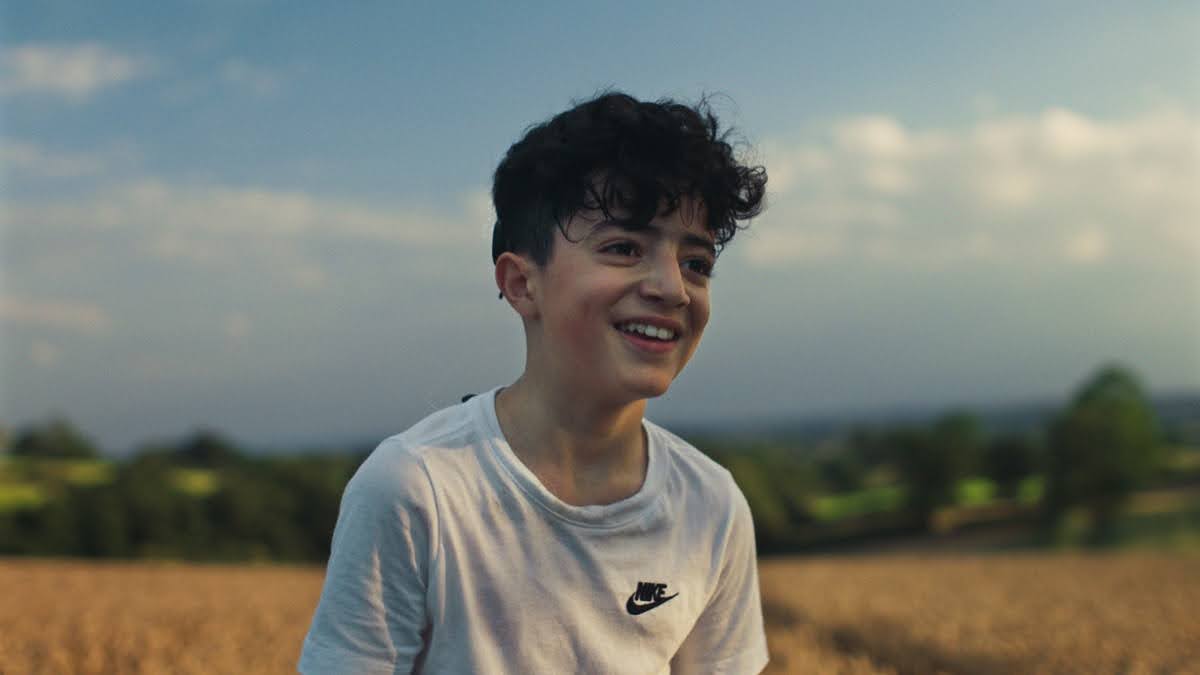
{"x":273,"y":219}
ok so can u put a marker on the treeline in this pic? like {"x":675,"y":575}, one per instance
{"x":200,"y":499}
{"x":204,"y":498}
{"x":1099,"y":449}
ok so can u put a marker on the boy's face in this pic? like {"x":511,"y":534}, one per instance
{"x":605,"y":287}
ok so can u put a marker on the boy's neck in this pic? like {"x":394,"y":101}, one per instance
{"x":582,"y":453}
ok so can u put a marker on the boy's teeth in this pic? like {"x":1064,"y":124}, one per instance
{"x":649,"y":331}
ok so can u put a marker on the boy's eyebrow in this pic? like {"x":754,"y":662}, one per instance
{"x":689,"y":238}
{"x":697,"y":240}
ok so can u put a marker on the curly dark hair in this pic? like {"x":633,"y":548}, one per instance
{"x":616,"y":153}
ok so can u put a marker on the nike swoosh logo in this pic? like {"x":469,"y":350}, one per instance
{"x":636,"y":608}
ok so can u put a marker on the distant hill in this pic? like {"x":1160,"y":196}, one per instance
{"x":1178,"y":414}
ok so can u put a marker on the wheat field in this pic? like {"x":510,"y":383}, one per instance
{"x":902,"y":614}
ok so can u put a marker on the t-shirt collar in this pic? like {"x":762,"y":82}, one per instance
{"x":597,"y":515}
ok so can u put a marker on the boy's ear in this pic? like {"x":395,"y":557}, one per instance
{"x":515,"y":277}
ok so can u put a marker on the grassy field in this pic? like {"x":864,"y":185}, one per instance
{"x":900,"y":614}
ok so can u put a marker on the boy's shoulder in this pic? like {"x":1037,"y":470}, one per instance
{"x":695,"y":467}
{"x":401,"y":460}
{"x":450,"y":425}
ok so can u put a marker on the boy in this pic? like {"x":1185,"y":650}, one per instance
{"x":546,"y":527}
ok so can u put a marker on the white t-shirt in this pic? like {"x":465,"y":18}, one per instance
{"x":450,"y":556}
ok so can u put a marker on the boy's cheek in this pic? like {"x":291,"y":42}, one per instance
{"x":577,"y":336}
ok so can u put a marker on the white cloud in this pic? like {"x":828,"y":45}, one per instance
{"x":75,"y":72}
{"x":79,"y":317}
{"x":789,"y":165}
{"x":478,"y":208}
{"x":888,"y":178}
{"x":1005,"y":188}
{"x":284,"y":236}
{"x":1066,"y":135}
{"x":32,"y":160}
{"x":791,"y":245}
{"x":1086,"y":246}
{"x":873,"y":136}
{"x":1004,"y":185}
{"x":881,"y":137}
{"x":181,"y":220}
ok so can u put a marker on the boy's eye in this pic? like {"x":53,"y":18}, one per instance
{"x":625,"y":248}
{"x":700,"y":266}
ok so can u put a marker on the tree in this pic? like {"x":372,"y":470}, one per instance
{"x":103,"y":530}
{"x":933,"y":461}
{"x":843,"y":472}
{"x":56,"y":438}
{"x":772,"y":526}
{"x":1102,"y":447}
{"x":148,"y":504}
{"x":873,"y":447}
{"x":1008,"y":460}
{"x":316,"y":484}
{"x":253,"y":515}
{"x":207,"y":448}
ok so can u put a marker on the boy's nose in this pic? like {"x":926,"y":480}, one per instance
{"x":664,"y":282}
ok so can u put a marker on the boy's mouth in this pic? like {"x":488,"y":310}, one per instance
{"x":647,"y":331}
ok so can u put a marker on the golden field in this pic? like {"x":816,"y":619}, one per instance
{"x":904,"y":614}
{"x":1128,"y":614}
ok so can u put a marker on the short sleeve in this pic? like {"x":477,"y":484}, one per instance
{"x":372,"y":608}
{"x":729,"y":638}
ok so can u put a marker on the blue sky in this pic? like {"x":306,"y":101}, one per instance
{"x":271,"y":218}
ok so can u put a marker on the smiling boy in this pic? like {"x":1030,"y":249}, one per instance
{"x":547,"y":526}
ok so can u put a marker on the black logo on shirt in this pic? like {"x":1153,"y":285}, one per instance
{"x":647,"y":596}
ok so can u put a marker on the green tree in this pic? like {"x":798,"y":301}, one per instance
{"x":255,"y":515}
{"x":316,"y":485}
{"x":149,"y":504}
{"x":1008,"y":460}
{"x":49,"y":529}
{"x":55,"y":438}
{"x":933,"y":461}
{"x":873,"y":447}
{"x":103,"y":530}
{"x":844,"y":472}
{"x":1102,"y":447}
{"x":772,"y":525}
{"x":208,"y":448}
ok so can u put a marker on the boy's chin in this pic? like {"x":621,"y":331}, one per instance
{"x":649,"y":388}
